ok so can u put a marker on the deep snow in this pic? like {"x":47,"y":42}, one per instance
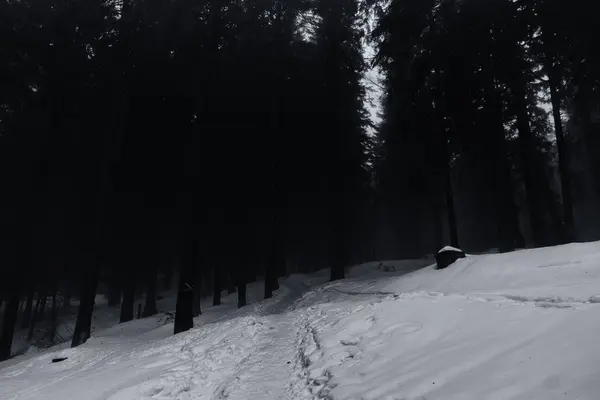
{"x":521,"y":325}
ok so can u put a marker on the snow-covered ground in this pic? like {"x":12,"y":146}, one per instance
{"x":521,"y":325}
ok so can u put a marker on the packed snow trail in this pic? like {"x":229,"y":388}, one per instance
{"x":211,"y":361}
{"x":268,"y":373}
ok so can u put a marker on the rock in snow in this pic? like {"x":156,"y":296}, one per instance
{"x":447,"y":256}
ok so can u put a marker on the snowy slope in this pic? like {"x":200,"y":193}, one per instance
{"x":521,"y":325}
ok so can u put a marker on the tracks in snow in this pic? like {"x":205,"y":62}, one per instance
{"x":541,"y":301}
{"x":274,"y":369}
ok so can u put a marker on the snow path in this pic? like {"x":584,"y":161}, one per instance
{"x":156,"y":365}
{"x":269,"y":372}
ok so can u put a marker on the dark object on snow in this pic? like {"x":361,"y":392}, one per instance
{"x":447,"y":256}
{"x":386,"y":268}
{"x":57,"y":360}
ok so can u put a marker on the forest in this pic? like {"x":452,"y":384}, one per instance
{"x":214,"y":143}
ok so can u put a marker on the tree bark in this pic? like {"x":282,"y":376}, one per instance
{"x":9,"y":323}
{"x":184,"y":314}
{"x":528,"y":162}
{"x":42,"y":310}
{"x":438,"y":224}
{"x":230,"y":282}
{"x":114,"y":294}
{"x":507,"y":223}
{"x":336,"y":248}
{"x":563,"y":155}
{"x":268,"y":280}
{"x":216,"y":287}
{"x":53,"y":317}
{"x":242,"y":300}
{"x":67,"y":296}
{"x":150,"y":307}
{"x":127,"y":305}
{"x":198,"y":295}
{"x":83,"y":324}
{"x":28,"y":307}
{"x":35,"y":316}
{"x":452,"y":224}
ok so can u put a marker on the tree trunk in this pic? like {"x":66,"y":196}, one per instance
{"x":230,"y":282}
{"x":150,"y":307}
{"x":242,"y":301}
{"x":127,"y":305}
{"x":28,"y":308}
{"x":35,"y":316}
{"x":184,"y":312}
{"x":438,"y":224}
{"x":336,"y":249}
{"x":83,"y":324}
{"x":528,"y":166}
{"x":9,"y":323}
{"x":67,"y":297}
{"x":452,"y":224}
{"x":445,"y":167}
{"x":114,"y":294}
{"x":507,"y":224}
{"x":449,"y":192}
{"x":53,"y":317}
{"x":216,"y":287}
{"x":563,"y":156}
{"x":42,"y":310}
{"x":198,"y":295}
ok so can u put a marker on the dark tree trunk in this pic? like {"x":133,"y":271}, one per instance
{"x":230,"y":282}
{"x":337,"y":229}
{"x":438,"y":224}
{"x":216,"y":287}
{"x":67,"y":296}
{"x":528,"y":164}
{"x":449,"y":191}
{"x":198,"y":296}
{"x":150,"y":307}
{"x":168,"y":278}
{"x":563,"y":156}
{"x":127,"y":305}
{"x":452,"y":224}
{"x":445,"y":167}
{"x":507,"y":223}
{"x":28,"y":308}
{"x":9,"y":323}
{"x":242,"y":300}
{"x":114,"y":294}
{"x":83,"y":324}
{"x":271,"y":259}
{"x":53,"y":317}
{"x":42,"y":310}
{"x":35,"y":316}
{"x":269,"y":278}
{"x":184,"y":312}
{"x":336,"y":249}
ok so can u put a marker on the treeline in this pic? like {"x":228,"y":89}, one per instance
{"x":491,"y":121}
{"x":224,"y":140}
